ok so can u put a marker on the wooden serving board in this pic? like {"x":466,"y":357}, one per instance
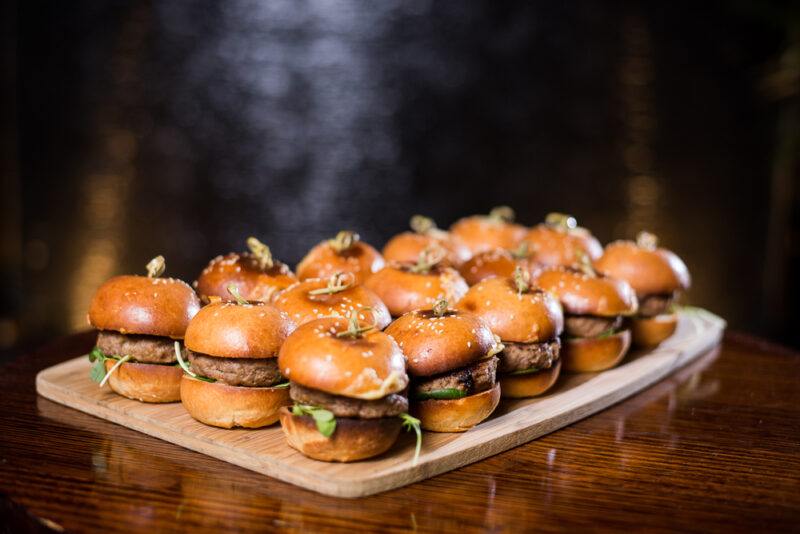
{"x":514,"y":422}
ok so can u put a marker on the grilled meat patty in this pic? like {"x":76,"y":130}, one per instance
{"x":589,"y":325}
{"x":523,"y":356}
{"x":248,"y":372}
{"x":653,"y":305}
{"x":473,"y":379}
{"x":388,"y":406}
{"x":145,"y":349}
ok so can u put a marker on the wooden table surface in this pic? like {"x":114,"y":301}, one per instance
{"x":714,"y":447}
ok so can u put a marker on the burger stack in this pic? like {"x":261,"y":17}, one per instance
{"x":358,"y":345}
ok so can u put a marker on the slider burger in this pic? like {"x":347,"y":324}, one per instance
{"x":256,"y":273}
{"x":594,"y":308}
{"x":528,"y":321}
{"x":407,"y":246}
{"x":451,"y":358}
{"x":348,"y":383}
{"x":560,"y":241}
{"x":338,"y":295}
{"x":344,"y":253}
{"x":657,"y":275}
{"x":139,"y":318}
{"x":232,"y":378}
{"x":406,"y":287}
{"x":488,"y":232}
{"x":498,"y":262}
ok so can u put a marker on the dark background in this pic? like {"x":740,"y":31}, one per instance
{"x":135,"y":128}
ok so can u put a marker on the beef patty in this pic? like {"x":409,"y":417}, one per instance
{"x":524,"y":356}
{"x":469,"y":380}
{"x":589,"y":325}
{"x":248,"y":372}
{"x":653,"y":305}
{"x":388,"y":406}
{"x":145,"y":349}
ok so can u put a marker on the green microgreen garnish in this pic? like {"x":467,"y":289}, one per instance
{"x":336,"y":284}
{"x":647,"y":240}
{"x":234,"y":291}
{"x":324,"y":419}
{"x":186,"y":367}
{"x":522,"y":279}
{"x":502,"y":214}
{"x":421,"y":224}
{"x":261,"y":252}
{"x":354,"y":330}
{"x":343,"y":241}
{"x":155,"y":267}
{"x":527,"y":371}
{"x":440,"y":394}
{"x":428,"y":259}
{"x":561,"y":221}
{"x":98,"y":371}
{"x":412,"y":423}
{"x":281,"y":385}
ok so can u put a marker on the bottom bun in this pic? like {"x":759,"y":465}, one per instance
{"x":457,"y":415}
{"x":586,"y":355}
{"x":650,"y":331}
{"x":530,"y":385}
{"x":146,"y":382}
{"x":353,"y":439}
{"x":225,"y":406}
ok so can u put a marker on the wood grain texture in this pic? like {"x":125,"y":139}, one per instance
{"x":514,"y":422}
{"x":712,"y":448}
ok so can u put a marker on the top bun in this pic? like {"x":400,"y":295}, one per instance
{"x":403,"y":290}
{"x":254,"y":280}
{"x":560,"y":242}
{"x":487,"y":232}
{"x":367,"y":366}
{"x":345,"y":253}
{"x":588,"y":294}
{"x":316,"y":298}
{"x":532,"y":316}
{"x":230,"y":330}
{"x":407,"y":246}
{"x":142,"y":305}
{"x":493,"y":263}
{"x":647,"y":269}
{"x":436,"y":343}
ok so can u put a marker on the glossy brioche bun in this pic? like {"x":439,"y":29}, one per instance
{"x":140,"y":305}
{"x":230,"y":330}
{"x":367,"y":367}
{"x":353,"y":439}
{"x":325,"y":260}
{"x":456,"y":415}
{"x":245,"y":272}
{"x":434,"y":344}
{"x":407,"y":246}
{"x":487,"y":232}
{"x":586,"y":355}
{"x":226,"y":406}
{"x":498,"y":263}
{"x":146,"y":382}
{"x":648,"y":271}
{"x":651,"y":331}
{"x":585,"y":294}
{"x":557,"y":246}
{"x":530,"y":317}
{"x":531,"y":384}
{"x":403,"y":291}
{"x":303,"y":307}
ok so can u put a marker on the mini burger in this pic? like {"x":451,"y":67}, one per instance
{"x":348,"y":382}
{"x":489,"y":232}
{"x":338,"y":295}
{"x":498,"y":262}
{"x":344,"y":253}
{"x":560,"y":241}
{"x":594,"y":309}
{"x":406,"y":287}
{"x":657,"y":276}
{"x":232,"y":377}
{"x":139,"y":318}
{"x":452,"y":362}
{"x":407,"y":246}
{"x":256,"y":273}
{"x":528,"y":321}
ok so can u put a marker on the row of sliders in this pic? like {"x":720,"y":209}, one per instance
{"x":358,"y":344}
